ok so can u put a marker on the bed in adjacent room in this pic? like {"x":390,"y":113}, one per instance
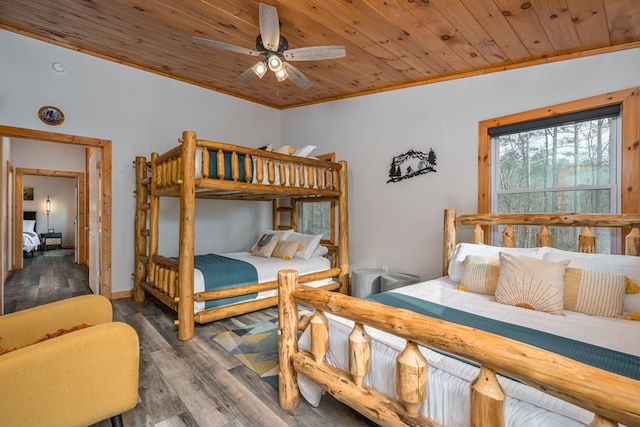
{"x":193,"y":284}
{"x":507,"y":336}
{"x":30,"y":239}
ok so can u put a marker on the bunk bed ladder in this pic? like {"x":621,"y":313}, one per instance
{"x":285,"y":214}
{"x":141,"y":232}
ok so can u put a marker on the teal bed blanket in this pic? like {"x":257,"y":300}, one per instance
{"x":213,"y":167}
{"x":221,"y":272}
{"x":610,"y":360}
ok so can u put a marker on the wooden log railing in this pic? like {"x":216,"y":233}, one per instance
{"x":629,"y":224}
{"x":293,"y":171}
{"x":613,"y":398}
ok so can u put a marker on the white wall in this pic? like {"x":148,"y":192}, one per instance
{"x":139,"y":112}
{"x":400,"y":224}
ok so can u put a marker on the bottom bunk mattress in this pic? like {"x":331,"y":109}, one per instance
{"x":228,"y":270}
{"x":449,"y":377}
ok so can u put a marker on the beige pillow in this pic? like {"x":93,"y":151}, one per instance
{"x":265,"y":246}
{"x":480,"y":274}
{"x":531,"y":283}
{"x":285,"y":249}
{"x":597,"y":293}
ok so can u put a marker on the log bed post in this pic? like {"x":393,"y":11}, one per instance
{"x":287,"y":339}
{"x":140,"y":241}
{"x":449,"y":239}
{"x":343,"y":229}
{"x":154,"y":203}
{"x":187,"y":237}
{"x":486,"y":400}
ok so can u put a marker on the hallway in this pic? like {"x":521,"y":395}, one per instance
{"x":46,"y":277}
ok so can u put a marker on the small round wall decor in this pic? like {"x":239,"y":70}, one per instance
{"x":51,"y":115}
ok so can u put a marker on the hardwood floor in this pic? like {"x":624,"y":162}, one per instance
{"x":182,"y":383}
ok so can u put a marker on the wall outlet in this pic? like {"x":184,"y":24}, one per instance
{"x":385,"y":268}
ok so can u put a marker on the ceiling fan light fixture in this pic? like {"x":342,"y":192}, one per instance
{"x":275,"y":63}
{"x":282,"y":74}
{"x":260,"y":69}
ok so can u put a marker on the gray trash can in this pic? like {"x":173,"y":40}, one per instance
{"x":389,"y":281}
{"x":365,"y":281}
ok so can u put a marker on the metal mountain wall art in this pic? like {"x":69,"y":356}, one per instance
{"x":411,"y":164}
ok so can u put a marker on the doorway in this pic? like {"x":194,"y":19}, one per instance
{"x":104,"y":179}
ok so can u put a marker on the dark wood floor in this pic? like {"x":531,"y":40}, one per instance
{"x":182,"y":383}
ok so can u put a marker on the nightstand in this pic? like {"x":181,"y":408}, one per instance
{"x":51,"y":239}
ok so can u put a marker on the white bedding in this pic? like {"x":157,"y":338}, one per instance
{"x":267,"y":269}
{"x":448,"y":378}
{"x":30,"y":241}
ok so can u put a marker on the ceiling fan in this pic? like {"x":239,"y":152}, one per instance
{"x":275,"y":48}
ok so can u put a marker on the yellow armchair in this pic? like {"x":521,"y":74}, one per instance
{"x":75,"y":379}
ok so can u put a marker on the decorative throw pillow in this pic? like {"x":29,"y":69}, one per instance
{"x":596,"y":293}
{"x":265,"y":246}
{"x":282,"y":235}
{"x":456,"y":269}
{"x":531,"y":283}
{"x":480,"y":274}
{"x":286,"y":249}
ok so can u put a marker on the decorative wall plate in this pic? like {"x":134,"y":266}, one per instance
{"x":51,"y":115}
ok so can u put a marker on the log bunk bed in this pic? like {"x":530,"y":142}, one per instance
{"x":380,"y":369}
{"x":212,"y":170}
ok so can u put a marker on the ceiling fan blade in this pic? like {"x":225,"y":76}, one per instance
{"x":269,"y":27}
{"x":315,"y":53}
{"x":225,"y":46}
{"x":246,"y":75}
{"x":296,"y":76}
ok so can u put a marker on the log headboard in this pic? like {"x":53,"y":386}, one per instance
{"x":628,"y":223}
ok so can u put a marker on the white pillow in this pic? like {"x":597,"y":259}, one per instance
{"x":304,"y":151}
{"x":321,"y":251}
{"x":309,"y":242}
{"x":29,"y":225}
{"x":282,"y":235}
{"x":456,"y":269}
{"x":624,"y":264}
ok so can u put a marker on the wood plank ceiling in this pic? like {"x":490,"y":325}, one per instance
{"x":389,"y":43}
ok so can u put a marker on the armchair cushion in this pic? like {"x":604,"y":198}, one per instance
{"x":79,"y":378}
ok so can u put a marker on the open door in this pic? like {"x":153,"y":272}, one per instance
{"x":94,"y":221}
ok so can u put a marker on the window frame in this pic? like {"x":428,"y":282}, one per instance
{"x":628,"y":150}
{"x":329,"y":157}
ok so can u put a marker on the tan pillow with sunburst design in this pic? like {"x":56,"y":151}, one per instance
{"x":531,"y":283}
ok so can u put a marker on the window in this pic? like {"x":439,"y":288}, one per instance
{"x":575,"y":157}
{"x":319,"y":217}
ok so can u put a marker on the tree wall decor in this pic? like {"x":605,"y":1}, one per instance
{"x":411,"y":164}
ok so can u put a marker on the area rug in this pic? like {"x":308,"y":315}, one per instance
{"x":256,"y":346}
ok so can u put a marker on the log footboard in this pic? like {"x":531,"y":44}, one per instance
{"x":613,"y":398}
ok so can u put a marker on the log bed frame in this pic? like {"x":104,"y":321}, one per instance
{"x":173,"y":174}
{"x":613,"y":398}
